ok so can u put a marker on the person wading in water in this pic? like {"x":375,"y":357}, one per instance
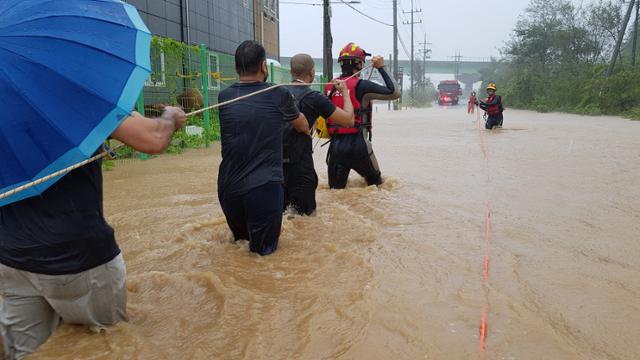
{"x":300,"y":178}
{"x":250,"y":178}
{"x":351,"y":145}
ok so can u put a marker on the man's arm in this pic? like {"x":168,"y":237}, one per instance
{"x":344,"y":116}
{"x":301,"y":124}
{"x":290,"y":112}
{"x":151,"y":136}
{"x":376,"y":91}
{"x":496,"y":100}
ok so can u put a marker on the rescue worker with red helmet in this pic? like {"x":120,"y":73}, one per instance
{"x":493,"y":108}
{"x":351,"y":146}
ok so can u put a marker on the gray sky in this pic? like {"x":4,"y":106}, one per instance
{"x":450,"y":25}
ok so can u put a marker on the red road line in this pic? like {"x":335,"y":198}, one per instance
{"x":485,"y":271}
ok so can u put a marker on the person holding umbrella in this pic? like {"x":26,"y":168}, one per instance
{"x":63,"y":93}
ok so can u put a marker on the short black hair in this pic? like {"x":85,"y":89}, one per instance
{"x":249,"y":57}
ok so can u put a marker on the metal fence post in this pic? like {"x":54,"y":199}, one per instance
{"x":272,"y":74}
{"x":205,"y":90}
{"x":140,"y":108}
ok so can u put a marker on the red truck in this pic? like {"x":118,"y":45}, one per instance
{"x":449,"y":92}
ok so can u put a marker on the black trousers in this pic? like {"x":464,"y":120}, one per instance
{"x":493,"y":121}
{"x":300,"y":183}
{"x":352,"y":151}
{"x":256,"y":216}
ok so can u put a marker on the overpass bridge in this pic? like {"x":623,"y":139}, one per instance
{"x":433,"y":66}
{"x":468,"y":70}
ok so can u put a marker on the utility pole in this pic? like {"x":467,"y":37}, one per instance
{"x":425,"y":55}
{"x":623,"y":30}
{"x":395,"y":40}
{"x":635,"y":36}
{"x":413,"y":11}
{"x":457,"y":57}
{"x":327,"y":39}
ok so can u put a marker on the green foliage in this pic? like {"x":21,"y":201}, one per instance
{"x":557,"y":58}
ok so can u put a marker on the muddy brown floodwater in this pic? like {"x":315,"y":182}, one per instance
{"x":397,"y":272}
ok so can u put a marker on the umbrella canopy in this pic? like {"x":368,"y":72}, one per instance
{"x":70,"y":72}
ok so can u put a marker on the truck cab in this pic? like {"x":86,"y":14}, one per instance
{"x":449,"y":92}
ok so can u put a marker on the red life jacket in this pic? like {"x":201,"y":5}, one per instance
{"x":492,"y":110}
{"x":337,"y":99}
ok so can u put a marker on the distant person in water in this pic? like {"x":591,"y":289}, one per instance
{"x":492,"y":106}
{"x":250,"y":178}
{"x":472,"y":103}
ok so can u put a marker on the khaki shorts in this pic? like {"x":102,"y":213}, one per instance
{"x":32,"y":305}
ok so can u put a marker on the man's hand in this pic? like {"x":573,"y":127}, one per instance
{"x":341,"y":86}
{"x":378,"y":61}
{"x":175,"y":115}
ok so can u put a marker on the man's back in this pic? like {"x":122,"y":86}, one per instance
{"x":63,"y":231}
{"x":251,"y":137}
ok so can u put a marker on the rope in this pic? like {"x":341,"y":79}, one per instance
{"x":58,"y":173}
{"x":99,"y":156}
{"x":265,"y":90}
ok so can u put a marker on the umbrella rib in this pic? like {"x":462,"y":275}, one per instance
{"x":12,"y":84}
{"x":26,"y":21}
{"x":28,"y":100}
{"x":67,"y":40}
{"x":90,"y":91}
{"x":16,"y":4}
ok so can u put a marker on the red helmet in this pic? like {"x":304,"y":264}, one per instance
{"x":352,"y":52}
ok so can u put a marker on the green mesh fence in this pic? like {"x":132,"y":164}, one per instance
{"x":191,"y":76}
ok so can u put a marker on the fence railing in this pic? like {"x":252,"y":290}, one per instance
{"x":192,"y":77}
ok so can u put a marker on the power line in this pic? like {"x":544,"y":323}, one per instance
{"x":412,"y":23}
{"x":404,"y":46}
{"x":365,"y":15}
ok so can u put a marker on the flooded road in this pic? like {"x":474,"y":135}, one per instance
{"x":396,"y":272}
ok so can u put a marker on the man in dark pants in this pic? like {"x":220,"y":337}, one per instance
{"x":492,"y":105}
{"x":300,"y":178}
{"x":250,"y":176}
{"x":351,"y":146}
{"x":59,"y":260}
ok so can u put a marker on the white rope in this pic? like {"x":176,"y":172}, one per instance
{"x":99,"y":156}
{"x":57,"y":173}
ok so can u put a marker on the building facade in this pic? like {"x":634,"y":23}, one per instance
{"x":219,"y":24}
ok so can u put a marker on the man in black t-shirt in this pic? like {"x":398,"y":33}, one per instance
{"x":300,"y":178}
{"x":250,"y":176}
{"x":59,"y":259}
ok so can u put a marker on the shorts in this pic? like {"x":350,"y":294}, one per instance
{"x":34,"y":304}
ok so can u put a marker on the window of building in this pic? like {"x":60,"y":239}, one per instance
{"x":158,"y":76}
{"x":214,"y":72}
{"x":270,"y":7}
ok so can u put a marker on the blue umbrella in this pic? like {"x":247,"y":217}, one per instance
{"x":70,"y":72}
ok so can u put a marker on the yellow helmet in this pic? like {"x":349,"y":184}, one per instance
{"x":492,"y":86}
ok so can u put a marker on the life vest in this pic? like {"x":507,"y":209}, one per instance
{"x":336,"y":98}
{"x":493,"y":110}
{"x":322,"y":130}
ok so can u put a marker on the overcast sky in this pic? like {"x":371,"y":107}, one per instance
{"x":475,"y":28}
